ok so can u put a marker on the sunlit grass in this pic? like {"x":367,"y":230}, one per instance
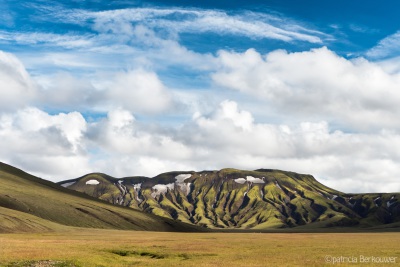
{"x":91,"y":247}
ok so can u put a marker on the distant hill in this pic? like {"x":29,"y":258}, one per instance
{"x":28,"y":203}
{"x":238,"y":199}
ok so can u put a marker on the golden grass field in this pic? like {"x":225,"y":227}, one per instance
{"x":92,"y":247}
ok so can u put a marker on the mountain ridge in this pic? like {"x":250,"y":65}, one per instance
{"x":240,"y":199}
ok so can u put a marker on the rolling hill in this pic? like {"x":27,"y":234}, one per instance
{"x":28,"y":203}
{"x":237,"y":199}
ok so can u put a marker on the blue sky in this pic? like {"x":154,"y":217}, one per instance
{"x":138,"y":88}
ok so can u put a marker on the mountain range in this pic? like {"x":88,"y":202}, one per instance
{"x":221,"y":200}
{"x":239,"y":199}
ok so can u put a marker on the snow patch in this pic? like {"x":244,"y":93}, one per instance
{"x":137,"y":186}
{"x":252,"y":179}
{"x":334,"y":197}
{"x":185,"y":187}
{"x":92,"y":182}
{"x":121,"y":188}
{"x":240,"y":180}
{"x":249,"y":179}
{"x":67,"y":184}
{"x":180,"y":181}
{"x":188,"y":188}
{"x":162,"y":189}
{"x":182,"y":177}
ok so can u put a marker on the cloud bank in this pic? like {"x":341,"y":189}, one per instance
{"x":318,"y":83}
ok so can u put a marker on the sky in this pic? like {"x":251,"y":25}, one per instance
{"x":140,"y":88}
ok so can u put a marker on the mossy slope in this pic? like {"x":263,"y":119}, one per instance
{"x":265,"y":199}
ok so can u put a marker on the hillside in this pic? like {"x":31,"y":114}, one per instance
{"x":28,"y":203}
{"x":229,"y":198}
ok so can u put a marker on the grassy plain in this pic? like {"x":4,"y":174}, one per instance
{"x":93,"y":247}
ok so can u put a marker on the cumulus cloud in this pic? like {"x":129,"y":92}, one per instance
{"x":124,"y":165}
{"x":47,"y":145}
{"x":127,"y":147}
{"x":16,"y":86}
{"x":65,"y":146}
{"x":120,"y":136}
{"x":352,"y":162}
{"x":120,"y":132}
{"x":356,"y":93}
{"x":65,"y":91}
{"x":138,"y":90}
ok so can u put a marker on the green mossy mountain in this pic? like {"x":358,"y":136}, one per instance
{"x":31,"y":204}
{"x":238,"y":199}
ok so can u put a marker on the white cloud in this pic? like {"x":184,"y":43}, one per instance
{"x":390,"y":65}
{"x":138,"y":90}
{"x":123,"y":165}
{"x":65,"y":146}
{"x":16,"y":86}
{"x":181,"y":20}
{"x":65,"y":91}
{"x":34,"y":38}
{"x":47,"y":145}
{"x":127,"y":147}
{"x":362,"y":29}
{"x":387,"y":47}
{"x":316,"y":83}
{"x":150,"y":34}
{"x":120,"y":134}
{"x":229,"y":112}
{"x":363,"y":162}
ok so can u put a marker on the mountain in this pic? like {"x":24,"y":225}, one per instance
{"x":28,"y":203}
{"x":230,"y":198}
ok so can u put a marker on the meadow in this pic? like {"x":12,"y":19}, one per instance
{"x":95,"y":247}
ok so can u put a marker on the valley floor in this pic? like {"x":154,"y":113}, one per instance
{"x":92,"y":247}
